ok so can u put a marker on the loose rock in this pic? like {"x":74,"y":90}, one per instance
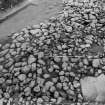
{"x":31,"y":59}
{"x":96,"y":62}
{"x":22,"y":77}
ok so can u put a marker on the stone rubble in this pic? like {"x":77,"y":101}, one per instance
{"x":45,"y":64}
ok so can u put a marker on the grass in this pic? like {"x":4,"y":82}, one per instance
{"x":6,"y":4}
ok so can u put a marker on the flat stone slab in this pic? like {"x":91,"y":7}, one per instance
{"x":93,"y":88}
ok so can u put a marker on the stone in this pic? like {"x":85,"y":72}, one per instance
{"x":33,"y":66}
{"x":32,"y":83}
{"x":6,"y":46}
{"x":9,"y":81}
{"x":1,"y":67}
{"x":45,"y":98}
{"x":93,"y":88}
{"x":4,"y":52}
{"x":2,"y":101}
{"x":72,"y":74}
{"x":20,"y":38}
{"x":13,"y":45}
{"x":57,"y":58}
{"x":30,"y":75}
{"x":0,"y":45}
{"x":37,"y":89}
{"x":7,"y":56}
{"x":59,"y":85}
{"x":18,"y":44}
{"x":15,"y":35}
{"x":43,"y":26}
{"x":56,"y":66}
{"x":37,"y":26}
{"x":36,"y":32}
{"x":24,"y":64}
{"x":85,"y":61}
{"x":27,"y":91}
{"x":100,"y":87}
{"x":7,"y":95}
{"x":48,"y":84}
{"x":59,"y":100}
{"x":18,"y":64}
{"x":2,"y":59}
{"x":39,"y":71}
{"x":24,"y":46}
{"x":61,"y":72}
{"x":99,"y":71}
{"x":31,"y":59}
{"x":40,"y":61}
{"x":96,"y":63}
{"x":52,"y":88}
{"x":53,"y":100}
{"x":64,"y":65}
{"x":88,"y":88}
{"x":59,"y":47}
{"x":40,"y":81}
{"x":13,"y":53}
{"x":40,"y":55}
{"x":65,"y":87}
{"x":56,"y":94}
{"x":68,"y":28}
{"x":39,"y":100}
{"x":65,"y":59}
{"x":26,"y":69}
{"x":22,"y":77}
{"x":51,"y":69}
{"x":76,"y":84}
{"x":64,"y":46}
{"x":2,"y":80}
{"x":46,"y":76}
{"x":54,"y":80}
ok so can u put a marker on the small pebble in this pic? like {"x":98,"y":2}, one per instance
{"x":27,"y":91}
{"x":59,"y":85}
{"x":39,"y":100}
{"x":2,"y":80}
{"x":65,"y":59}
{"x":31,"y":59}
{"x":37,"y":89}
{"x":96,"y":62}
{"x":61,"y":73}
{"x":40,"y":55}
{"x":26,"y":69}
{"x":56,"y":94}
{"x":85,"y":61}
{"x":22,"y":77}
{"x":57,"y":59}
{"x":39,"y":71}
{"x":46,"y":76}
{"x":52,"y":88}
{"x":32,"y":83}
{"x":33,"y":66}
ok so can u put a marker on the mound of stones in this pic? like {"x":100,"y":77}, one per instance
{"x":44,"y":63}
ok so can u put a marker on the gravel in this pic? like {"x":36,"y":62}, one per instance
{"x":46,"y":62}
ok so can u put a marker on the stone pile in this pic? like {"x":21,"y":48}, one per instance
{"x":43,"y":64}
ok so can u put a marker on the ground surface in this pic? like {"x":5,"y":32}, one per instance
{"x":31,"y":15}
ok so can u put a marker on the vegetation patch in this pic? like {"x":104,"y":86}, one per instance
{"x":6,"y":4}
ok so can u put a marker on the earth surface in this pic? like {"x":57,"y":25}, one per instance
{"x":33,"y":14}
